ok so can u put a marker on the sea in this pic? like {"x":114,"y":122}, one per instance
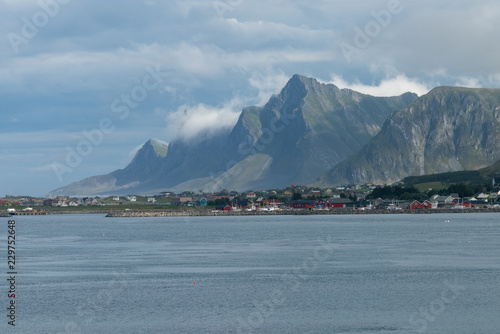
{"x":322,"y":274}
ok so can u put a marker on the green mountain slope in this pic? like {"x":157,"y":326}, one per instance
{"x":481,"y":176}
{"x":449,"y":129}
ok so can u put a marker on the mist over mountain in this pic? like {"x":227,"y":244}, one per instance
{"x":297,"y":136}
{"x":448,"y":129}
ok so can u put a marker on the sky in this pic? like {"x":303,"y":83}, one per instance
{"x":83,"y":84}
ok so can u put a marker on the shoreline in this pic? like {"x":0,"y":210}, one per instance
{"x":209,"y":213}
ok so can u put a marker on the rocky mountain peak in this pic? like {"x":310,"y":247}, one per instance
{"x":298,"y":135}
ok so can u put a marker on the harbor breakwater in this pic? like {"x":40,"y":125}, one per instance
{"x":302,"y":212}
{"x":205,"y":213}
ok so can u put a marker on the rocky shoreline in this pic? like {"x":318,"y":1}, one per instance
{"x":208,"y":213}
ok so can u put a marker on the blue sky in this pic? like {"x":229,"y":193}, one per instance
{"x":126,"y":71}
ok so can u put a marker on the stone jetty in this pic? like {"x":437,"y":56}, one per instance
{"x":208,"y":213}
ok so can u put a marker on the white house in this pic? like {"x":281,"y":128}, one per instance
{"x":59,"y":203}
{"x":482,"y":196}
{"x":151,"y":200}
{"x":116,"y":198}
{"x":132,"y":198}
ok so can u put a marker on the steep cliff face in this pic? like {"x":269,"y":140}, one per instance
{"x":449,"y":129}
{"x":308,"y":128}
{"x":297,"y":136}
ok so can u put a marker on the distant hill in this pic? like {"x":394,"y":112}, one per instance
{"x":448,"y":129}
{"x":297,"y":136}
{"x":481,"y":176}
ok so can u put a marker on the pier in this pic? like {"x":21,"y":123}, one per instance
{"x":28,"y":213}
{"x":208,"y":213}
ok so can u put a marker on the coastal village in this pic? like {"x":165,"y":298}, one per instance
{"x":355,"y":197}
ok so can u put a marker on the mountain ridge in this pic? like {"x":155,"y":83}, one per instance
{"x":295,"y":137}
{"x":448,"y":129}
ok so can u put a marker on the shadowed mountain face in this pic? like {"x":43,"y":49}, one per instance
{"x":297,"y":136}
{"x":449,"y":129}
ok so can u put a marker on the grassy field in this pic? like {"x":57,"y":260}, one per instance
{"x":431,"y":185}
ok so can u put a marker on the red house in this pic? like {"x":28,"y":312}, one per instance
{"x":427,"y":205}
{"x":339,"y":203}
{"x":416,"y":205}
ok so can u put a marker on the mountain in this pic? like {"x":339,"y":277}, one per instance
{"x":448,"y":129}
{"x":309,"y":127}
{"x":146,"y":165}
{"x":297,"y":136}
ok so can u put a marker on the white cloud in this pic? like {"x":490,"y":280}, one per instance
{"x":42,"y":169}
{"x":268,"y":85}
{"x":469,"y":82}
{"x":189,"y":121}
{"x":388,"y":87}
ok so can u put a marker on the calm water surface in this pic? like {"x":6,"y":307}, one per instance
{"x":316,"y":274}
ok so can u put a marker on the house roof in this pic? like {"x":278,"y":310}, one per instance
{"x":340,"y":200}
{"x":443,"y":198}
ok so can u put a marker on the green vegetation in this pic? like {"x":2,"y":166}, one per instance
{"x":423,"y":187}
{"x":462,"y":190}
{"x":443,"y":179}
{"x":398,"y":192}
{"x":468,"y":182}
{"x":219,"y":201}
